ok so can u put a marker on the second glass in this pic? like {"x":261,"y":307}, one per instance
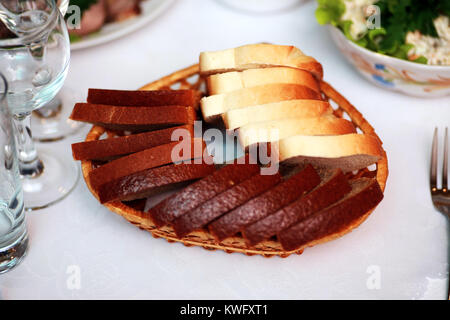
{"x":13,"y":233}
{"x":36,"y":64}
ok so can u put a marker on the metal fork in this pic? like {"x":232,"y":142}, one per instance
{"x":440,"y":197}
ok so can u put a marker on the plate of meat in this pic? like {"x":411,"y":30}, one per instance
{"x":106,"y":20}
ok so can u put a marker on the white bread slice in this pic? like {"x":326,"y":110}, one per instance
{"x":274,"y":130}
{"x":301,"y":108}
{"x":232,"y":81}
{"x":348,"y":152}
{"x":214,"y":106}
{"x":258,"y":56}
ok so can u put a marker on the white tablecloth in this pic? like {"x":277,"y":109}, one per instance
{"x":80,"y":250}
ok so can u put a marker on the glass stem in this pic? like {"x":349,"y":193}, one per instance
{"x":29,"y":164}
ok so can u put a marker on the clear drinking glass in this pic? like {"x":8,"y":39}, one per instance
{"x":51,"y":122}
{"x":35,"y":65}
{"x":13,"y":233}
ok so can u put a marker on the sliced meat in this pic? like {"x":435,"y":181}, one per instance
{"x":92,"y":20}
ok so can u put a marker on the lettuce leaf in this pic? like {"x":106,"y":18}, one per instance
{"x":330,"y":11}
{"x":397,"y":18}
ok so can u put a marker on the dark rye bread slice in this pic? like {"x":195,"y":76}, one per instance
{"x":133,"y":119}
{"x":200,"y":191}
{"x":147,"y":159}
{"x":109,"y":149}
{"x":333,"y":187}
{"x":265,"y":204}
{"x":224,"y":202}
{"x":153,"y":98}
{"x":148,"y":182}
{"x":365,"y":195}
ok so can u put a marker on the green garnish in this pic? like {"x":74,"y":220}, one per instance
{"x":74,"y":37}
{"x":398,"y":17}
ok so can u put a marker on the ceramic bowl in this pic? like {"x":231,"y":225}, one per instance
{"x":391,"y":73}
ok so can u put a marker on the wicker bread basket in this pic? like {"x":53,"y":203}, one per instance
{"x":189,"y":79}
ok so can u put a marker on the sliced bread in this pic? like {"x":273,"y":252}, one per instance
{"x":258,"y":56}
{"x":265,"y":204}
{"x":291,"y":109}
{"x":348,"y":152}
{"x":333,"y":187}
{"x":201,"y":191}
{"x":153,"y":98}
{"x":133,"y":119}
{"x":150,"y":158}
{"x":109,"y":149}
{"x":151,"y":181}
{"x":213,"y":106}
{"x":274,"y":130}
{"x":224,"y":202}
{"x":364,"y":196}
{"x":232,"y":81}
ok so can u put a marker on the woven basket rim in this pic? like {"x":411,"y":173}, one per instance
{"x":203,"y":238}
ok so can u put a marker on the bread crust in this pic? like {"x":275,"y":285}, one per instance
{"x":224,"y":202}
{"x":264,"y":204}
{"x":136,"y":162}
{"x":133,"y":119}
{"x":153,"y":98}
{"x":349,"y":152}
{"x":201,"y":191}
{"x":271,"y":131}
{"x":232,"y":81}
{"x":298,"y":108}
{"x":366,"y":194}
{"x":331,"y":189}
{"x":108,"y":149}
{"x":213,"y":106}
{"x":258,"y":56}
{"x":148,"y":182}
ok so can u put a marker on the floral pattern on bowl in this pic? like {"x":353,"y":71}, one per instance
{"x":395,"y":74}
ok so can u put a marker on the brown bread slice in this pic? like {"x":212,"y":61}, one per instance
{"x":333,"y":187}
{"x":224,"y":202}
{"x":133,"y":119}
{"x":150,"y":158}
{"x":265,"y":204}
{"x":201,"y":191}
{"x":148,"y":182}
{"x":108,"y":149}
{"x":365,"y":195}
{"x":153,"y":98}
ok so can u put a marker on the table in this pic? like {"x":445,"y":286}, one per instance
{"x":80,"y":250}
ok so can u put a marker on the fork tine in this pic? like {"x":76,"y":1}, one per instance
{"x":434,"y":154}
{"x":445,"y":166}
